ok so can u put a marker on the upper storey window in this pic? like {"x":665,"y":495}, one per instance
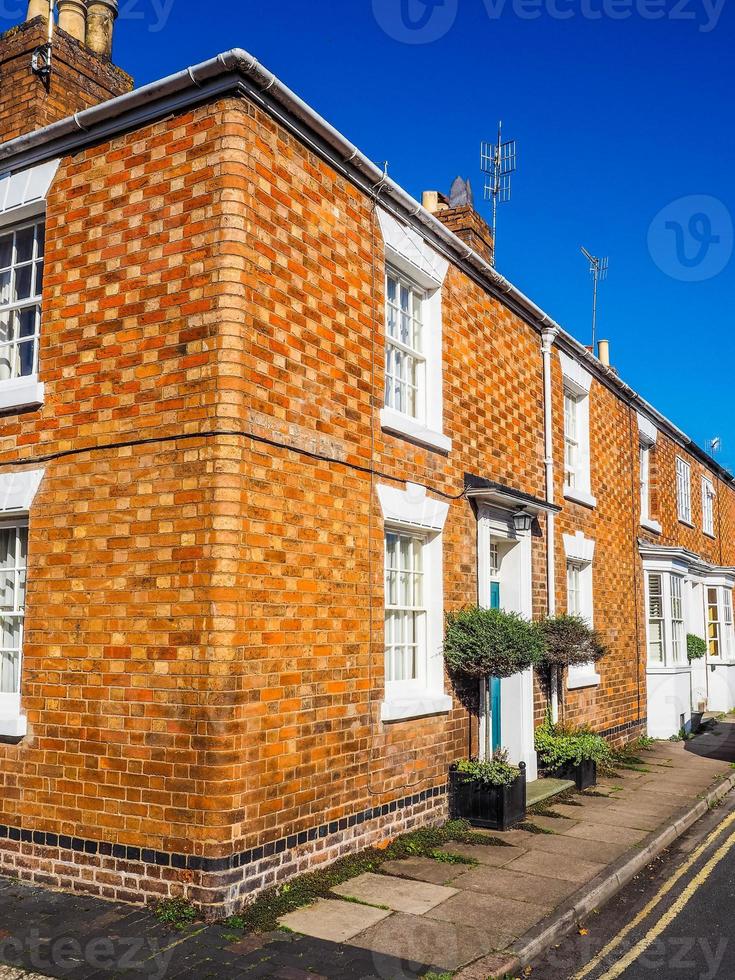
{"x":405,"y":362}
{"x":22,"y":245}
{"x":577,"y":478}
{"x":21,"y":287}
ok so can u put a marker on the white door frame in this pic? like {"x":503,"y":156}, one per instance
{"x":517,"y":728}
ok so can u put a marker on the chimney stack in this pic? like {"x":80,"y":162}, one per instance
{"x":73,"y":18}
{"x":457,"y":212}
{"x":101,"y":17}
{"x":79,"y":77}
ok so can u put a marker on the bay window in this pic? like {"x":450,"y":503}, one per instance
{"x":665,"y":618}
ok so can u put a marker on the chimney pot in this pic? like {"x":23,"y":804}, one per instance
{"x":430,"y":201}
{"x":603,"y":352}
{"x":101,"y":17}
{"x":38,"y":8}
{"x":73,"y":18}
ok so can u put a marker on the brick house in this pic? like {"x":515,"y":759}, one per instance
{"x":264,"y":419}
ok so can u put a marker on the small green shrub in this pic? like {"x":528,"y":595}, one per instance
{"x":558,"y":745}
{"x":176,"y":912}
{"x":696,"y":647}
{"x":570,"y":642}
{"x":495,"y":772}
{"x":490,"y":643}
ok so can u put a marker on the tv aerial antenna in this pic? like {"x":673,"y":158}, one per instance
{"x":498,"y":161}
{"x":598,"y":270}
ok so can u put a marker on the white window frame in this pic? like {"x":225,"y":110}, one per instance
{"x":22,"y":390}
{"x":684,"y":491}
{"x":23,"y":201}
{"x":672,"y":619}
{"x":17,"y":491}
{"x":413,"y":261}
{"x":413,"y":513}
{"x":407,"y":384}
{"x":580,"y":553}
{"x":17,"y":572}
{"x":708,"y":506}
{"x":577,"y":383}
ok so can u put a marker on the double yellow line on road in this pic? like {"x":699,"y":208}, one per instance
{"x":632,"y":955}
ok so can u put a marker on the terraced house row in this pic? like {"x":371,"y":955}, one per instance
{"x":265,"y":418}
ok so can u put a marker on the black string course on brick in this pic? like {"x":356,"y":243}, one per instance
{"x":194,"y":862}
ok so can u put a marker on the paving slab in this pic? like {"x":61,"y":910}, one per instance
{"x":624,"y":816}
{"x":496,"y":857}
{"x":398,"y":894}
{"x":604,"y":832}
{"x":549,"y":866}
{"x":522,"y":887}
{"x":424,"y":869}
{"x":575,"y":847}
{"x":418,"y":939}
{"x":557,"y":825}
{"x":333,"y":920}
{"x":504,"y":919}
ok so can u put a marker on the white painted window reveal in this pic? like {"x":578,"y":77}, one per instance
{"x":414,"y":603}
{"x":684,"y":490}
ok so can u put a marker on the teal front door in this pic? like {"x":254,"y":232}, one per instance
{"x":495,"y":681}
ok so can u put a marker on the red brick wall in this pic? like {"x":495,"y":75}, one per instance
{"x":204,"y":657}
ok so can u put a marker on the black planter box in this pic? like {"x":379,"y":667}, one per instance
{"x":492,"y":807}
{"x":697,"y":717}
{"x":584,"y":775}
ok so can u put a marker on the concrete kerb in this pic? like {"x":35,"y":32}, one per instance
{"x":592,"y":895}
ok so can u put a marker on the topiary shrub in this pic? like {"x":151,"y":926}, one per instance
{"x":696,"y":647}
{"x":570,"y":642}
{"x":490,"y":643}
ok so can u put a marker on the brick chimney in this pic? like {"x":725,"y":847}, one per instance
{"x":457,"y":212}
{"x":81,"y":73}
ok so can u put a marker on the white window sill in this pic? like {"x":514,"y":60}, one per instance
{"x":652,"y":526}
{"x":580,"y":496}
{"x":682,"y":520}
{"x":710,"y":535}
{"x":418,"y":706}
{"x":665,"y":669}
{"x":404,"y":425}
{"x":583,"y":680}
{"x":21,"y":393}
{"x":13,"y":726}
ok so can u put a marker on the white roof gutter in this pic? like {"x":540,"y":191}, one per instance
{"x":237,"y":69}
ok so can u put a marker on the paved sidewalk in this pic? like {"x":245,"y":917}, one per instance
{"x":419,"y":913}
{"x":449,"y":915}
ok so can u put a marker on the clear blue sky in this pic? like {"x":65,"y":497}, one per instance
{"x":615,"y":120}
